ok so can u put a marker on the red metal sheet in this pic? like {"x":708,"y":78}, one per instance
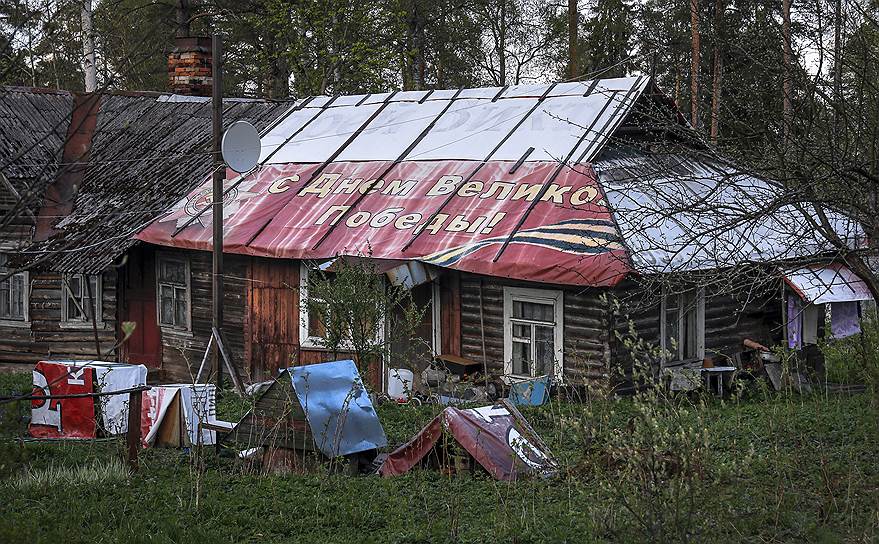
{"x":490,"y":434}
{"x":569,"y":237}
{"x":401,"y":460}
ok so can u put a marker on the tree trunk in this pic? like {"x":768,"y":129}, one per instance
{"x":837,"y":65}
{"x":717,"y":69}
{"x":88,"y":48}
{"x":573,"y":19}
{"x":280,"y":77}
{"x":413,"y":67}
{"x":786,"y":70}
{"x":677,"y":95}
{"x":502,"y":45}
{"x":183,"y":15}
{"x":694,"y":63}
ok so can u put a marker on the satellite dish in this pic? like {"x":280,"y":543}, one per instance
{"x":241,"y":146}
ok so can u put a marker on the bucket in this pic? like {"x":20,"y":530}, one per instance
{"x":400,"y":382}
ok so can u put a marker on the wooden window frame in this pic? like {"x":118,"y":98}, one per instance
{"x":305,"y":339}
{"x":66,"y":294}
{"x":436,"y":325}
{"x":669,"y":358}
{"x":174,"y":328}
{"x":24,"y":321}
{"x":534,"y":296}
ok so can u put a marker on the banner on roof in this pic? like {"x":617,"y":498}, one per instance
{"x":455,"y":214}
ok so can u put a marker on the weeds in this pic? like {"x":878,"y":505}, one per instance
{"x":96,"y":472}
{"x":855,"y":359}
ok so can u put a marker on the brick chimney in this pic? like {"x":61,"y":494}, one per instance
{"x":189,"y":66}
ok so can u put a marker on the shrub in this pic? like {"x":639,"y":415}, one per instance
{"x":855,"y":359}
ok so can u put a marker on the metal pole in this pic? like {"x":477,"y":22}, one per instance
{"x":217,"y":197}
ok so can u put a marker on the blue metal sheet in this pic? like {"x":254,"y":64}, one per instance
{"x":338,"y":409}
{"x":530,"y":392}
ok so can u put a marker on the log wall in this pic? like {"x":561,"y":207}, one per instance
{"x":585,"y":333}
{"x":182,"y":351}
{"x":45,"y":337}
{"x":730,"y":318}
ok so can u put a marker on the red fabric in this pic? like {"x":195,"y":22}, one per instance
{"x":63,"y":418}
{"x":280,"y":212}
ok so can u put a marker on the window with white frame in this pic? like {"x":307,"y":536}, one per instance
{"x":682,"y":325}
{"x":173,"y":292}
{"x":533,"y":321}
{"x":80,"y":295}
{"x":312,"y":329}
{"x":14,"y":294}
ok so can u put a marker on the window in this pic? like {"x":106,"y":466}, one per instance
{"x":533,"y":332}
{"x":77,"y":304}
{"x":682,"y":326}
{"x":312,"y":328}
{"x":14,"y":294}
{"x":173,"y":293}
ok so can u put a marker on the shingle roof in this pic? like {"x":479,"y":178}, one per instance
{"x":33,"y":126}
{"x":146,"y":154}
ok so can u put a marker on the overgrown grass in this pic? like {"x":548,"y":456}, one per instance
{"x":95,"y":473}
{"x":855,"y":359}
{"x":778,"y":468}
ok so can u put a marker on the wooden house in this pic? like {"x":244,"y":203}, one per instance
{"x":546,"y":228}
{"x":82,"y":174}
{"x":551,"y":225}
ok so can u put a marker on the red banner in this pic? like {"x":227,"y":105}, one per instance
{"x":437,"y":212}
{"x":63,"y":418}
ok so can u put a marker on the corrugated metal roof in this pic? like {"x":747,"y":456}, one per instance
{"x":680,"y":212}
{"x":476,"y":121}
{"x":146,"y":154}
{"x":675,"y":211}
{"x":820,"y":284}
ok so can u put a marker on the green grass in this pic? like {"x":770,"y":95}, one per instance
{"x":779,"y":469}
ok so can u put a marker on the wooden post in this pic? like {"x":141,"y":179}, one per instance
{"x":217,"y":197}
{"x":94,"y":309}
{"x":482,"y":333}
{"x":133,"y":437}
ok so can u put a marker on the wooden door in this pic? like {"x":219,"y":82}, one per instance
{"x":139,"y":306}
{"x":271,"y":336}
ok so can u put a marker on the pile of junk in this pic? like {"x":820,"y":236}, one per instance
{"x":324,"y":411}
{"x":452,"y":380}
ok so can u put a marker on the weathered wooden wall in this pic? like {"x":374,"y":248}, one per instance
{"x":271,"y":328}
{"x":45,"y":337}
{"x":730,"y":318}
{"x":261,"y":318}
{"x":585,"y":333}
{"x":182,"y":351}
{"x":450,"y":312}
